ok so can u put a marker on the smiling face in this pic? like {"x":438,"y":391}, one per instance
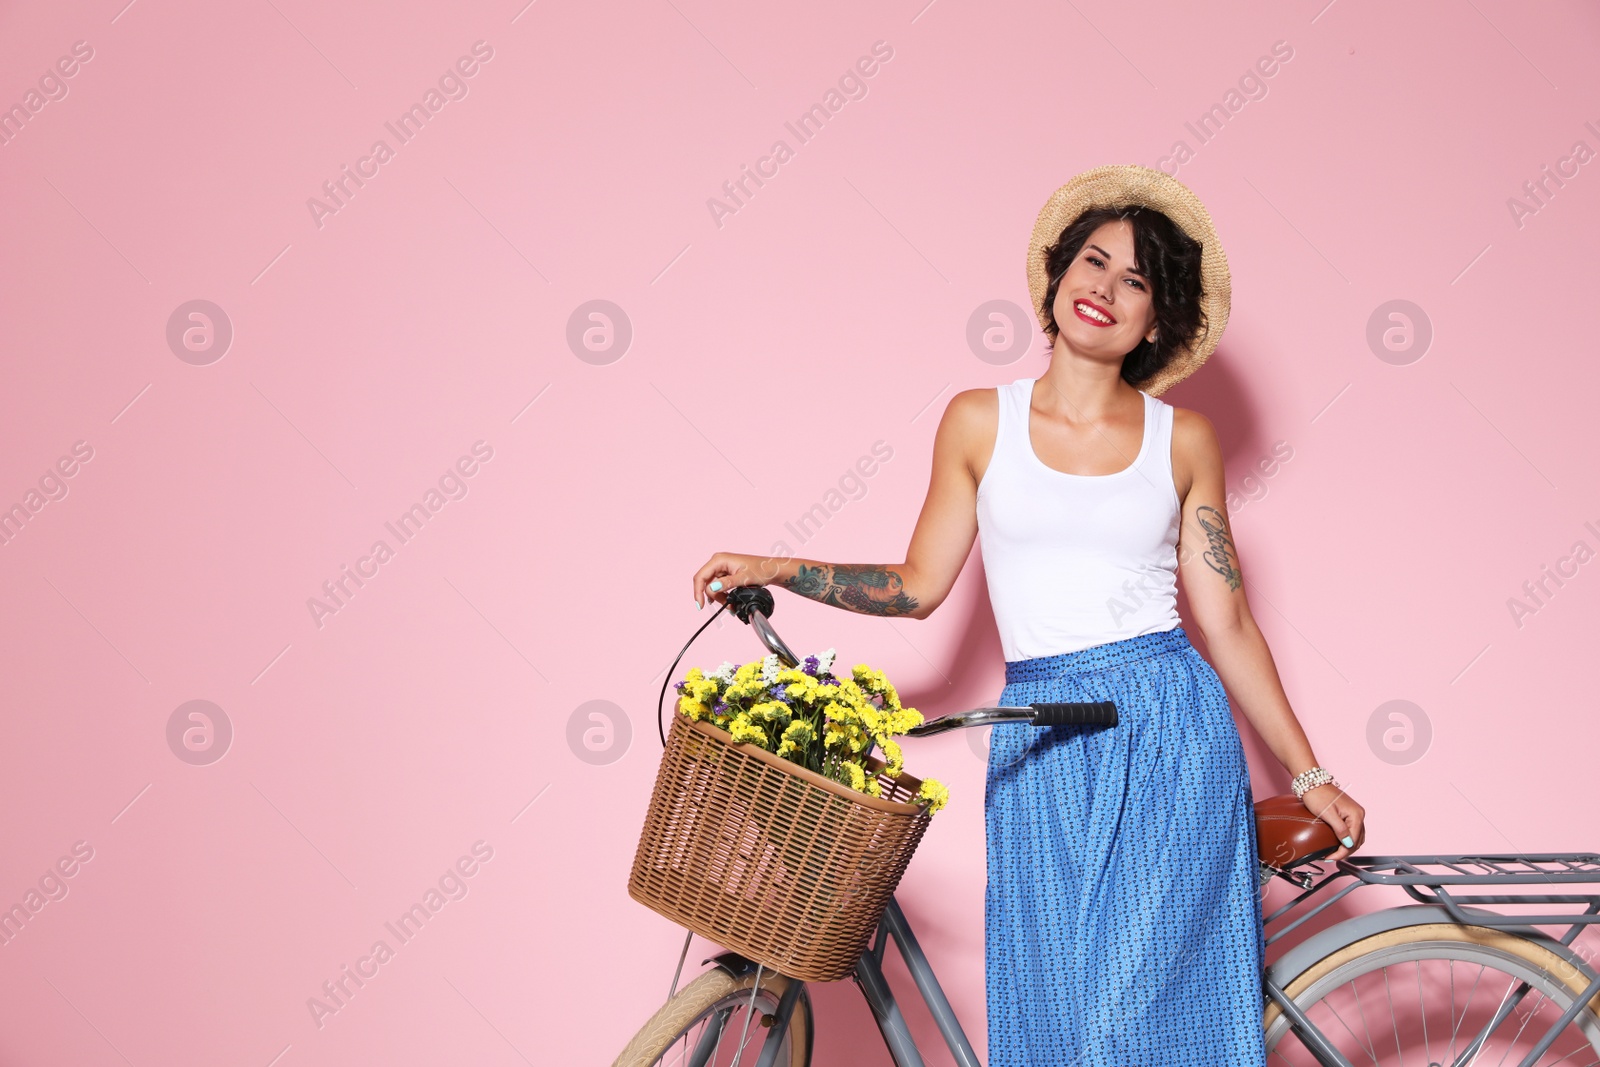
{"x":1103,"y":305}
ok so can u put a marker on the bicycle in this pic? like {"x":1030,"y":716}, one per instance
{"x":1312,"y":995}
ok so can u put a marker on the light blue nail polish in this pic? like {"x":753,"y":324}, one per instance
{"x":697,"y":605}
{"x":715,"y":586}
{"x":1347,"y":842}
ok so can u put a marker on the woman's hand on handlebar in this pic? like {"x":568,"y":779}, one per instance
{"x":729,"y":569}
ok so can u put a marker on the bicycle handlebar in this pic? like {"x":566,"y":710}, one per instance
{"x":1095,"y":713}
{"x":1090,"y":713}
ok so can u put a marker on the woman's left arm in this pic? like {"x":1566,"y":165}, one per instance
{"x":1208,"y":562}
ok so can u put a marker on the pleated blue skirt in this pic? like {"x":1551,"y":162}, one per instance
{"x":1122,"y":918}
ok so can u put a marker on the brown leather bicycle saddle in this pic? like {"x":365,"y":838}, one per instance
{"x":1287,"y":833}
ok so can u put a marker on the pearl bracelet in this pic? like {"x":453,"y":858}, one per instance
{"x":1306,"y":781}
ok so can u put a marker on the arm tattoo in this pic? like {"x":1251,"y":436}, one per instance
{"x":868,"y":589}
{"x":1220,"y":556}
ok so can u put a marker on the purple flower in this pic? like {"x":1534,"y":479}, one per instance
{"x":810,"y":665}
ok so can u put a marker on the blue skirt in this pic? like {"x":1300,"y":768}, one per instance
{"x":1122,"y":918}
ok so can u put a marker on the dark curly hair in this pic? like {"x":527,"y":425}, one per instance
{"x":1170,"y":262}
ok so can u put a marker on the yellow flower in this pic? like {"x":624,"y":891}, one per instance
{"x":742,"y":729}
{"x":769,"y":711}
{"x":694,"y":709}
{"x":799,"y":730}
{"x":858,"y":777}
{"x":895,"y":758}
{"x":933,"y":793}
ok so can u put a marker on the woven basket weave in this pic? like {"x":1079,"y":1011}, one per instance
{"x":761,"y":856}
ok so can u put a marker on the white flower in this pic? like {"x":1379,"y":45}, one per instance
{"x":770,"y":669}
{"x":825,"y":661}
{"x":724,"y":673}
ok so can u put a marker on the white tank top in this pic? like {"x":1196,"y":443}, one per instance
{"x":1075,"y":560}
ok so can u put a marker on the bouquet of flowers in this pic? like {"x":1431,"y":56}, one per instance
{"x":805,"y":714}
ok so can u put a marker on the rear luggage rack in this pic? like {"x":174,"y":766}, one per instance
{"x":1425,"y":878}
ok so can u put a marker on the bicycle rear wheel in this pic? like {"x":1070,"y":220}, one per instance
{"x":706,"y":1017}
{"x":1424,"y":994}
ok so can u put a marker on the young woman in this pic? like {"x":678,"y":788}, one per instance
{"x":1122,"y":915}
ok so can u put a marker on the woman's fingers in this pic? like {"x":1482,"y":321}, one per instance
{"x":1328,"y":803}
{"x":1348,"y":820}
{"x":721,"y":573}
{"x":1341,"y":831}
{"x":725,"y":570}
{"x":1355,"y":820}
{"x":705,"y":576}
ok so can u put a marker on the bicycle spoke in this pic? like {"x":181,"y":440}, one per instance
{"x":1367,"y":1029}
{"x":721,"y":1028}
{"x":1422,"y":1011}
{"x":683,"y":1051}
{"x":1481,"y":1041}
{"x":1371,"y":1053}
{"x":1470,"y":994}
{"x":1453,"y":1024}
{"x":1393,"y":1019}
{"x":1526,"y":1020}
{"x":1574,"y":1052}
{"x":750,"y":1013}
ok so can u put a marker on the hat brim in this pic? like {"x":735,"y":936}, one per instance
{"x":1125,"y":184}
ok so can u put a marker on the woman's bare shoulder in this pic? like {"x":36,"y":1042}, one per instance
{"x":970,"y":423}
{"x":1192,"y":432}
{"x":1196,"y":451}
{"x":975,"y":404}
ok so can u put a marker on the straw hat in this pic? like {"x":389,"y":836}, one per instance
{"x":1126,"y":184}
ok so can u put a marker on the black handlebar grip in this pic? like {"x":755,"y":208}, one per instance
{"x":743,"y":599}
{"x":1098,"y":713}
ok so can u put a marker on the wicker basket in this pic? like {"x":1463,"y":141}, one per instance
{"x":761,"y":856}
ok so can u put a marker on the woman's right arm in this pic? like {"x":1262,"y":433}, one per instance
{"x":939,"y":545}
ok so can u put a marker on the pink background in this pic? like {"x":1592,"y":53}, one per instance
{"x":370,"y":352}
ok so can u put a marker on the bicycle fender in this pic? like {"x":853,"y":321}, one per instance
{"x":736,"y":965}
{"x":1298,"y":959}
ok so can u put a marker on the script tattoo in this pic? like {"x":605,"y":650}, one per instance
{"x":1220,"y":557}
{"x":866,"y":589}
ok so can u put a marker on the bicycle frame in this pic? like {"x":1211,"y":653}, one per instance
{"x":1421,"y":876}
{"x":885,"y":1009}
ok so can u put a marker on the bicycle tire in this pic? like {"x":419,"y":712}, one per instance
{"x":1549,"y":974}
{"x":694,"y":1002}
